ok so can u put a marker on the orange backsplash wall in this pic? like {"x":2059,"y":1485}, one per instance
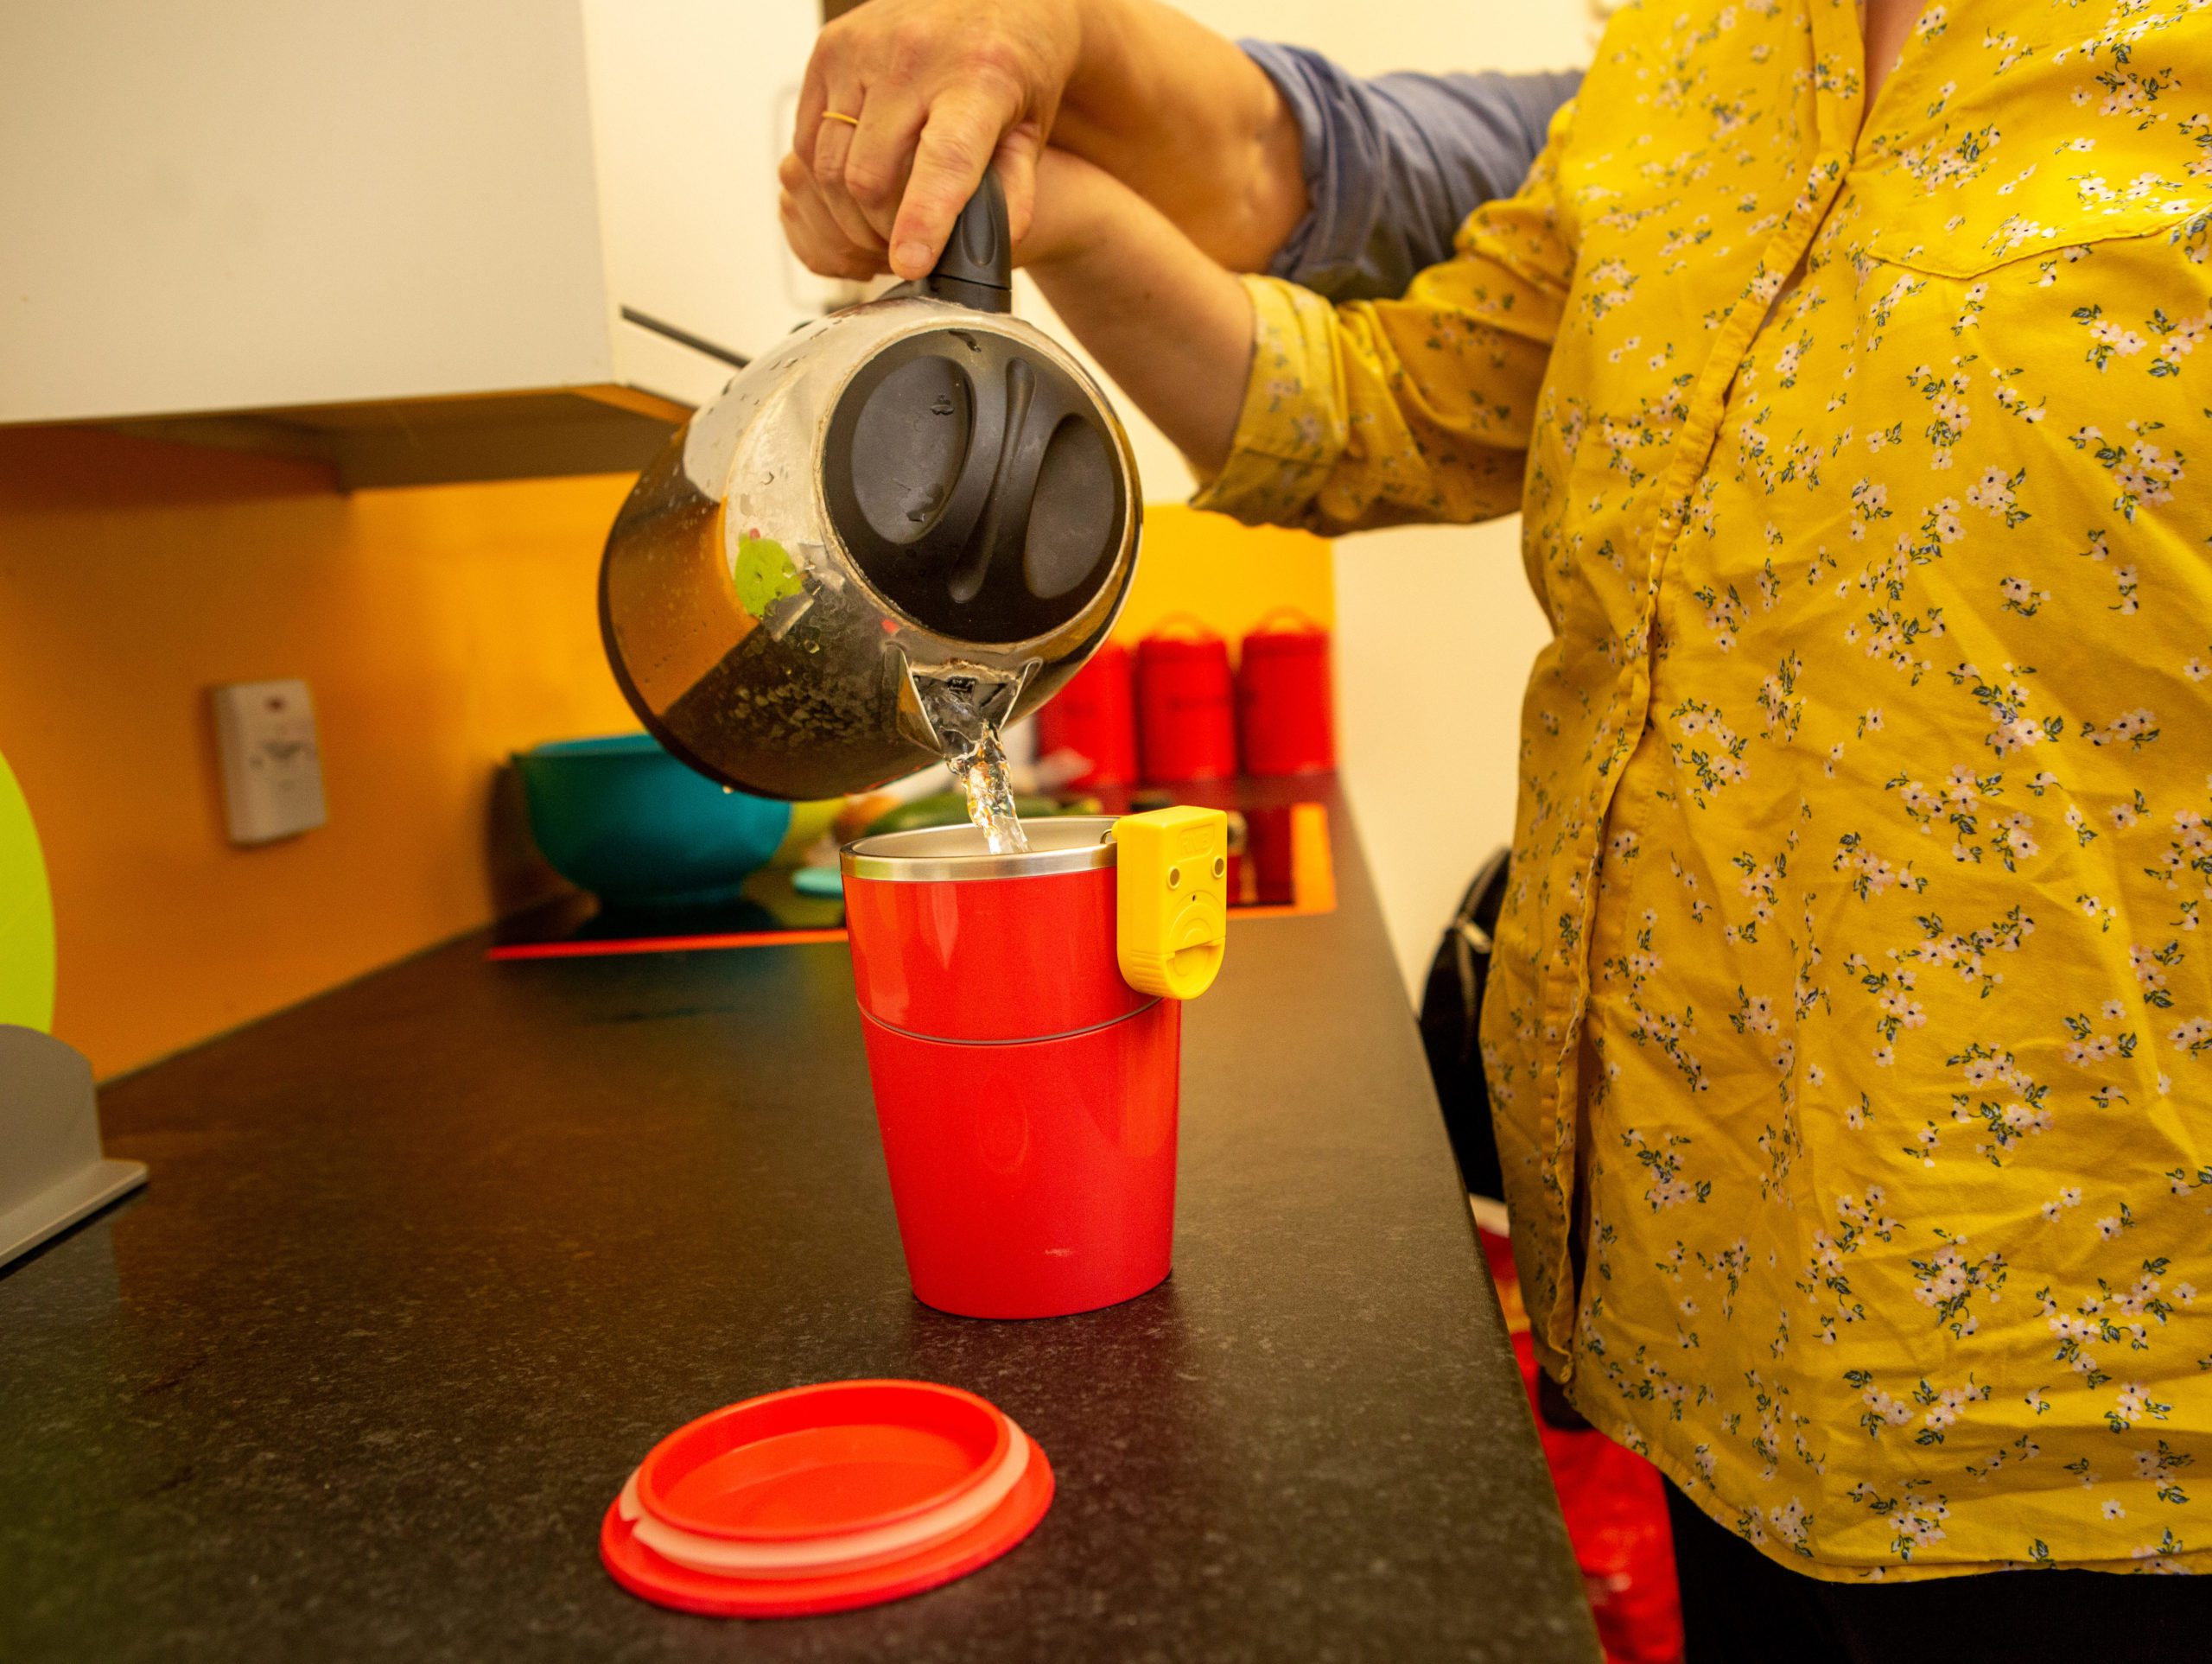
{"x":1227,"y":576}
{"x":439,"y":627}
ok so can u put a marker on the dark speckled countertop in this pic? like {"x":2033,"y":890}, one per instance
{"x":426,"y":1265}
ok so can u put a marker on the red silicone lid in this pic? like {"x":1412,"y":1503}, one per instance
{"x":840,"y":1457}
{"x":891,"y":1488}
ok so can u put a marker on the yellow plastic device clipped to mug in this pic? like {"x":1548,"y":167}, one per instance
{"x":1171,"y":899}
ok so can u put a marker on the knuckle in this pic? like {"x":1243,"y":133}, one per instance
{"x":996,"y":59}
{"x":912,"y":41}
{"x":955,"y":155}
{"x":869,"y":181}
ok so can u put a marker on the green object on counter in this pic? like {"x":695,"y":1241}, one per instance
{"x":819,"y":883}
{"x":808,"y":823}
{"x":26,"y":915}
{"x":621,"y":818}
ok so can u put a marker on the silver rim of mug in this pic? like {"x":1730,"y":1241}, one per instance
{"x":940,"y":855}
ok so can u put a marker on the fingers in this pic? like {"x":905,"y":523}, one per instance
{"x":933,"y":86}
{"x":1016,"y":163}
{"x":955,"y":146}
{"x":814,"y":235}
{"x":813,"y":99}
{"x":881,"y":152}
{"x":821,"y":247}
{"x":830,"y":67}
{"x":826,"y":149}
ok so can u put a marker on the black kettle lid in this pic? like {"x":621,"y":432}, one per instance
{"x":975,"y":482}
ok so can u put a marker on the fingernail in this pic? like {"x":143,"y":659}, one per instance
{"x":912,"y":258}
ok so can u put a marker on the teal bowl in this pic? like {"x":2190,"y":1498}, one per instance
{"x":621,"y":818}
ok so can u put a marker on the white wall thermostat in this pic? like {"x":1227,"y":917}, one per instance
{"x":272,"y":768}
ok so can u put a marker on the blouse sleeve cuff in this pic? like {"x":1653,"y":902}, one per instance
{"x":1291,"y":431}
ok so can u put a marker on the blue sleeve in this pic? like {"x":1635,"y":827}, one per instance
{"x":1395,"y":165}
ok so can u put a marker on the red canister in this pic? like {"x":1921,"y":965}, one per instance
{"x":1026,"y":1094}
{"x":1095,"y":716}
{"x":1186,"y":722}
{"x":1286,"y":716}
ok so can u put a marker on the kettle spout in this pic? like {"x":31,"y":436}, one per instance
{"x":943,"y":708}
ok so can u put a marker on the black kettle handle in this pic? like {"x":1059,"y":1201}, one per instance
{"x":976,"y":272}
{"x":977,"y":269}
{"x":987,"y":510}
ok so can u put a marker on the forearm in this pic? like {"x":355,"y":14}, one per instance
{"x":1182,"y":117}
{"x":1169,"y":323}
{"x":1374,"y":413}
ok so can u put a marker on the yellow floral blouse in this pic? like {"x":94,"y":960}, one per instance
{"x":1851,"y":1034}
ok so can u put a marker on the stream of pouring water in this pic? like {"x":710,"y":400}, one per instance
{"x":972,"y":752}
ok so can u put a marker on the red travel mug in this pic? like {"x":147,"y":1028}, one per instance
{"x":1186,"y":722}
{"x":1026,"y":1092}
{"x":1095,"y":716}
{"x":1286,"y":719}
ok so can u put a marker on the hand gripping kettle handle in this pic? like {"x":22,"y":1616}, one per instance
{"x":977,"y":269}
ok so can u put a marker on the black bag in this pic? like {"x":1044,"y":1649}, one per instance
{"x":1451,"y":1013}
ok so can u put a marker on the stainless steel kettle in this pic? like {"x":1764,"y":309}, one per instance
{"x":915,"y":505}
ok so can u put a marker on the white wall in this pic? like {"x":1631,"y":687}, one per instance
{"x":264,"y":203}
{"x":1435,"y":625}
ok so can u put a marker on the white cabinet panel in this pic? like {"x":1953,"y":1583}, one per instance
{"x":301,"y":223}
{"x":267,"y":202}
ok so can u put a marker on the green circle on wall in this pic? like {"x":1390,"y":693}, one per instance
{"x":26,"y":915}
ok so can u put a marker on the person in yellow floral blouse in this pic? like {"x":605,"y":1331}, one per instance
{"x":1849,"y":1034}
